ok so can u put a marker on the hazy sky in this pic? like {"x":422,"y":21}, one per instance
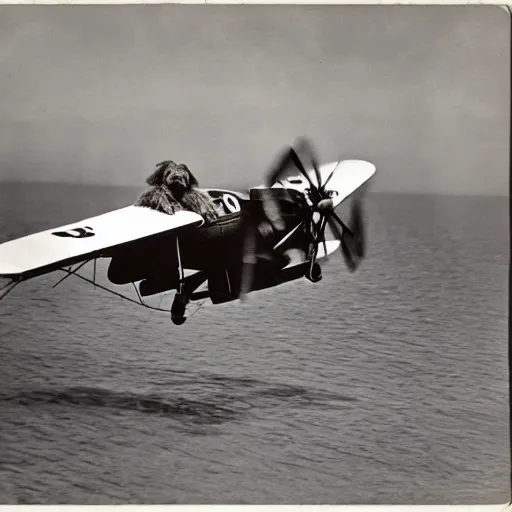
{"x":102,"y":93}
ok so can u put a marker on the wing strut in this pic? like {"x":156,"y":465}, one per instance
{"x":139,"y":302}
{"x":181,"y":272}
{"x":9,"y":287}
{"x":72,"y":272}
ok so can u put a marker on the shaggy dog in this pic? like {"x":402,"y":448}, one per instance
{"x":173,"y":188}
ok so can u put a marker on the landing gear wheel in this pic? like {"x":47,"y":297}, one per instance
{"x":178,"y":310}
{"x":314,"y":273}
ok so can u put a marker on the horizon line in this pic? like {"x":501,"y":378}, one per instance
{"x":244,"y":189}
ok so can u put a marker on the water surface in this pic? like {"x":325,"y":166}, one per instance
{"x":387,"y":386}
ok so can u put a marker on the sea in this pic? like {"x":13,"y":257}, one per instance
{"x":386,"y":386}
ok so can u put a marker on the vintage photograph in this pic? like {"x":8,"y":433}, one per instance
{"x":254,"y":254}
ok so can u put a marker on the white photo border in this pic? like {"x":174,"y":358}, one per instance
{"x":501,"y":507}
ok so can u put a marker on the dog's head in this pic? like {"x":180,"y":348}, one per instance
{"x":176,"y":177}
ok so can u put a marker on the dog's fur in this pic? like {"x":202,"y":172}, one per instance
{"x":173,"y":188}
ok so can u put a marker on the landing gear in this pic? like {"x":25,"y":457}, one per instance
{"x":178,"y":308}
{"x":179,"y":304}
{"x":185,"y":292}
{"x":314,"y":273}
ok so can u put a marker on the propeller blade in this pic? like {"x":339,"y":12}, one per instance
{"x":248,"y":261}
{"x":304,"y":147}
{"x":322,"y":235}
{"x":349,"y":260}
{"x":282,"y":169}
{"x":334,"y":227}
{"x":289,"y":235}
{"x":298,"y":163}
{"x":342,"y":237}
{"x":345,"y":228}
{"x":271,"y":210}
{"x":358,"y":228}
{"x":322,"y":188}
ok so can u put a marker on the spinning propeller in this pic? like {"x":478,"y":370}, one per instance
{"x":321,"y":211}
{"x":317,"y":212}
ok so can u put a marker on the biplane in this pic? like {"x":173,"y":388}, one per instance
{"x":273,"y":234}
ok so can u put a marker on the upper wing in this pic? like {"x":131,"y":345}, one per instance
{"x":343,"y":178}
{"x":49,"y":250}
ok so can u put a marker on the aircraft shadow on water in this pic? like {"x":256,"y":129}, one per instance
{"x":253,"y":245}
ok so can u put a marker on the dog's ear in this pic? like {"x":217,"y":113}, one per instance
{"x":157,"y":178}
{"x":191,"y":178}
